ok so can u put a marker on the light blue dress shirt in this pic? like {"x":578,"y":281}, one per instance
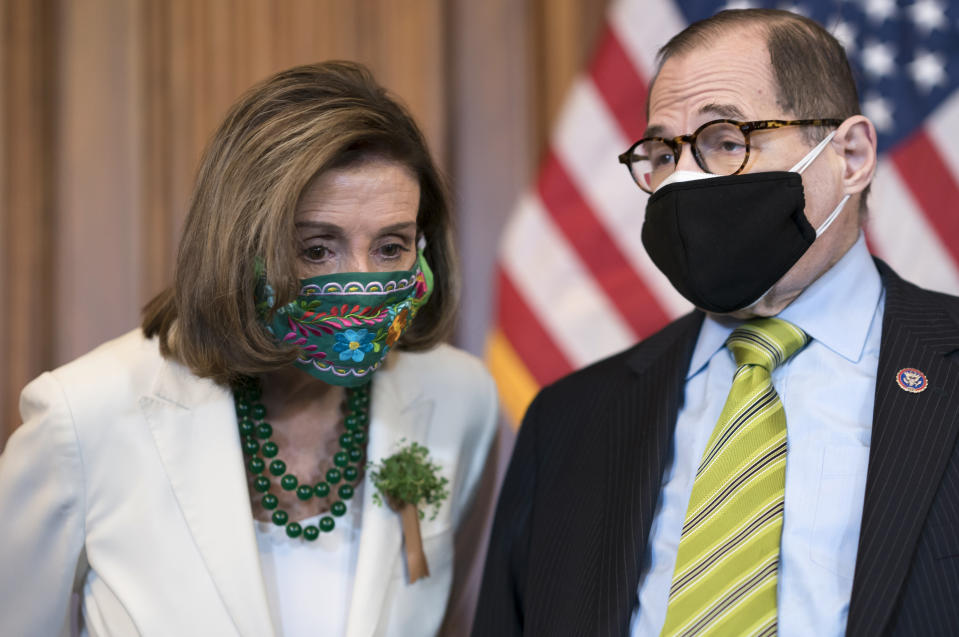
{"x":827,"y":390}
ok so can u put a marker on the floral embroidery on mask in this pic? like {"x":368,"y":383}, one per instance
{"x":398,"y":326}
{"x":354,"y":318}
{"x":353,"y":344}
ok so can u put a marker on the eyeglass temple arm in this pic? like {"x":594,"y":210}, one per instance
{"x":628,"y":157}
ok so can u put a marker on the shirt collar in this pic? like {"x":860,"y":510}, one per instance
{"x":837,"y":310}
{"x":712,"y":338}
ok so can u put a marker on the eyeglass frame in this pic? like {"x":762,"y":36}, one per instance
{"x":675,"y":143}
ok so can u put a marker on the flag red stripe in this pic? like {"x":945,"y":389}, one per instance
{"x":597,"y":249}
{"x":528,"y":338}
{"x":932,"y":185}
{"x":622,"y":86}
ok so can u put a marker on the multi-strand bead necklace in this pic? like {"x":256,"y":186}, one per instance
{"x":256,"y":434}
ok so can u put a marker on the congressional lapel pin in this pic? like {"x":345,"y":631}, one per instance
{"x":911,"y":380}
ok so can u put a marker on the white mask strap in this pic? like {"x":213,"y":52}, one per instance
{"x":803,"y":163}
{"x":832,"y":217}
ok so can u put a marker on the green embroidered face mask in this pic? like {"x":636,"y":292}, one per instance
{"x":344,"y":324}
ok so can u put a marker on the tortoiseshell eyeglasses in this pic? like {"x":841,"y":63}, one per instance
{"x":720,"y":147}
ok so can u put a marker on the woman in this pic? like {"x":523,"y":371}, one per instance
{"x":205,"y":475}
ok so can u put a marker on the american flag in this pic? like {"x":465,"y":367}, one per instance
{"x":574,"y":282}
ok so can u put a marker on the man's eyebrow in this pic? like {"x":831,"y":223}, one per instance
{"x":654,"y":131}
{"x":727,"y":111}
{"x":721,"y":111}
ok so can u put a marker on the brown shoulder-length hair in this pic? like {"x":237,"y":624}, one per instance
{"x":274,"y":140}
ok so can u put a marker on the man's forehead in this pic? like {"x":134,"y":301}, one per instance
{"x":728,"y":76}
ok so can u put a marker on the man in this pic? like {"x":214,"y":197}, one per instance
{"x":615,"y":514}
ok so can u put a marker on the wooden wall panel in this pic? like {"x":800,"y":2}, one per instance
{"x":562,"y":34}
{"x":97,"y":154}
{"x":9,"y":385}
{"x":156,"y":94}
{"x":30,"y":314}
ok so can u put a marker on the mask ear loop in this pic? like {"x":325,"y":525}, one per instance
{"x":803,"y":163}
{"x":832,"y":217}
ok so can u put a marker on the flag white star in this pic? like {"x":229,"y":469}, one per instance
{"x":878,"y":58}
{"x":846,"y":35}
{"x":879,"y":10}
{"x":928,"y":70}
{"x":879,"y":110}
{"x":739,"y":4}
{"x":928,"y":15}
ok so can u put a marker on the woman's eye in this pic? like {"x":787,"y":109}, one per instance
{"x":392,"y":250}
{"x":316,"y":253}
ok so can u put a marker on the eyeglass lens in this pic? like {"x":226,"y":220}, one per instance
{"x":721,"y":150}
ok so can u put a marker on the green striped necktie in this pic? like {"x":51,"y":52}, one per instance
{"x":725,"y":577}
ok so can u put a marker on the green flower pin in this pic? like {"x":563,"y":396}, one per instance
{"x":410,"y":483}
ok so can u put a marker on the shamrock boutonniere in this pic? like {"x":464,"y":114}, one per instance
{"x":410,"y":482}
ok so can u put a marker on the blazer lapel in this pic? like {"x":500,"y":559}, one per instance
{"x":194,"y":426}
{"x":395,"y":416}
{"x":913,"y":437}
{"x":640,"y":432}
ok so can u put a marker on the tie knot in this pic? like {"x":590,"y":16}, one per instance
{"x":767,"y":342}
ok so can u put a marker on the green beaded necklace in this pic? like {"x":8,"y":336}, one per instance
{"x":255,"y":434}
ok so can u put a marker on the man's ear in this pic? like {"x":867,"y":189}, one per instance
{"x":855,"y":141}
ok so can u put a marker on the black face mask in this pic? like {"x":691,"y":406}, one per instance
{"x":724,"y":241}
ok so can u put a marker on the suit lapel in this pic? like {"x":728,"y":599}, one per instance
{"x":912,"y":439}
{"x":194,"y":426}
{"x":640,"y":432}
{"x":396,"y":416}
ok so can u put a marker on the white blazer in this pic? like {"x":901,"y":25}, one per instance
{"x":126,"y":483}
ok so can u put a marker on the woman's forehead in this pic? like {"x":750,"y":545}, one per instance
{"x":378,"y":192}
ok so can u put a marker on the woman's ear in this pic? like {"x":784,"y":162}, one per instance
{"x":855,"y":141}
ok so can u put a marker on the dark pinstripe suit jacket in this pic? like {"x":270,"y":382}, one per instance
{"x":574,"y":514}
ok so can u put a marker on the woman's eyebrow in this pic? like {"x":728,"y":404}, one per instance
{"x":399,"y":228}
{"x":323,"y":226}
